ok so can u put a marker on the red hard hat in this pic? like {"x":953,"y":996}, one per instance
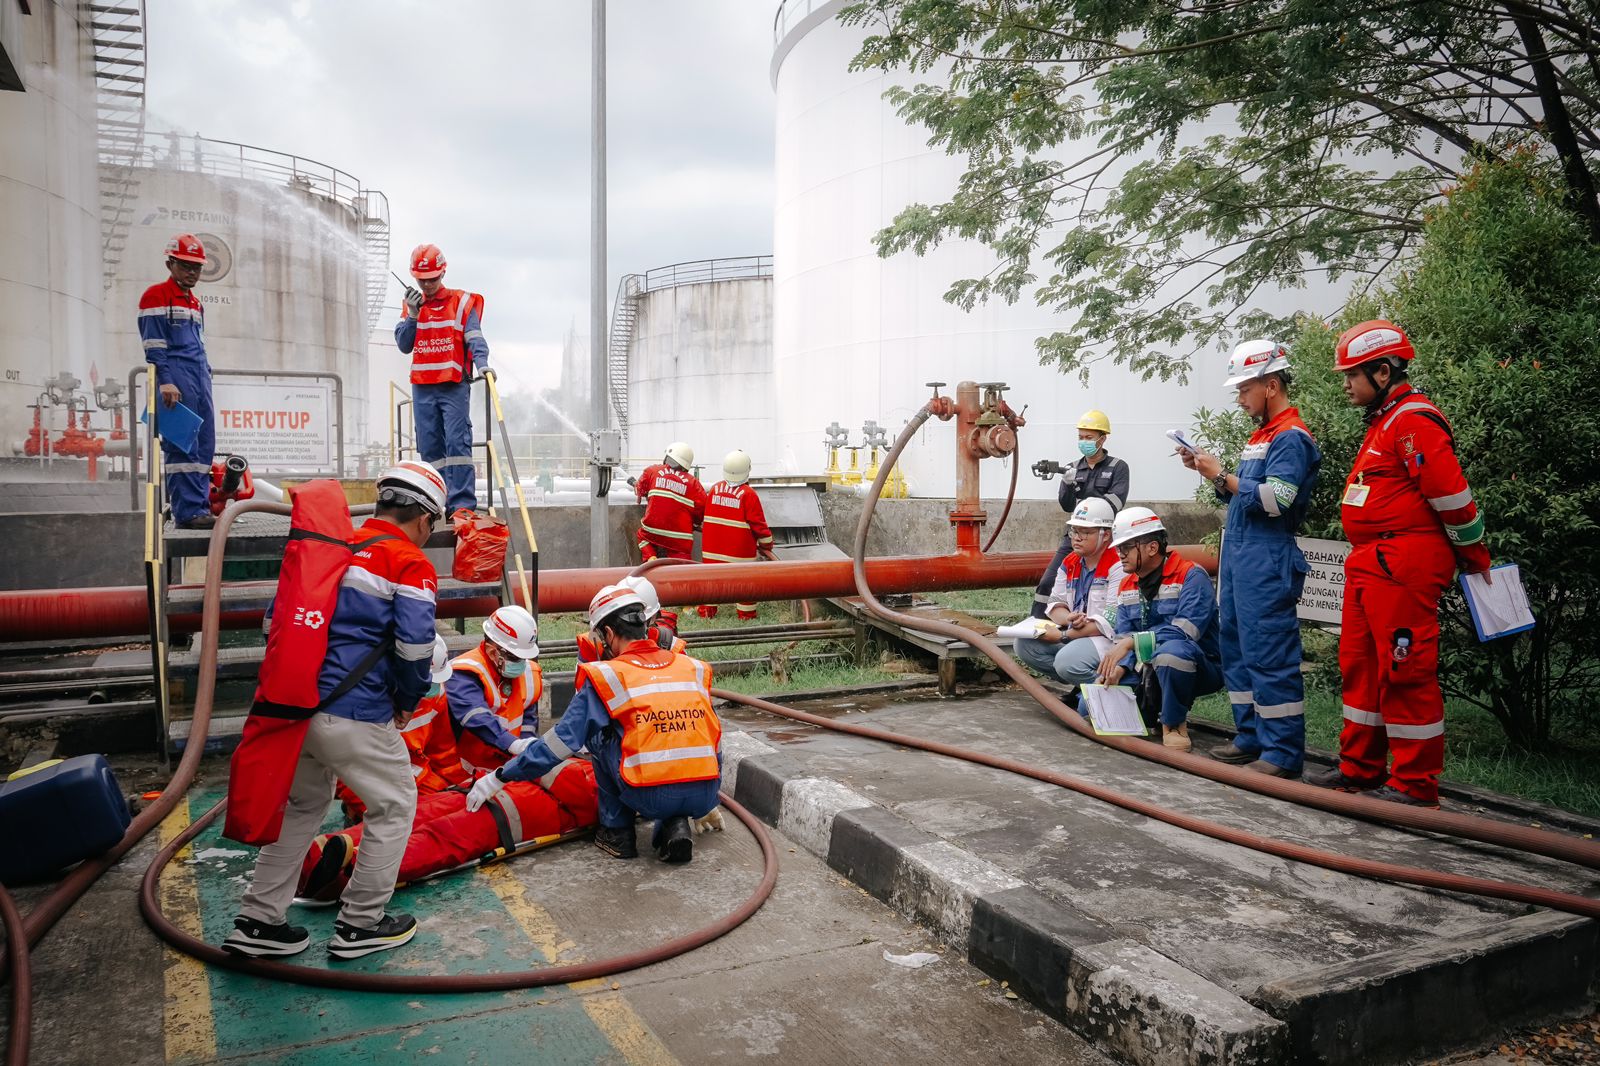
{"x":427,"y":261}
{"x":1372,"y":340}
{"x":187,"y":247}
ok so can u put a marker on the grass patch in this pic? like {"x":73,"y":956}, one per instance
{"x":803,"y":678}
{"x":1014,"y":603}
{"x":1476,"y":752}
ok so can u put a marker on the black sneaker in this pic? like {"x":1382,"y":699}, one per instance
{"x":257,"y":940}
{"x":1393,"y":795}
{"x":391,"y":931}
{"x":617,"y":842}
{"x":674,"y":840}
{"x":1230,"y":754}
{"x":1336,"y":779}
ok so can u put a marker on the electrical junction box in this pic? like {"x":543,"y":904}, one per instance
{"x":606,"y":447}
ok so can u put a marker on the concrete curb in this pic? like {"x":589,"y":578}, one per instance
{"x":1139,"y":1004}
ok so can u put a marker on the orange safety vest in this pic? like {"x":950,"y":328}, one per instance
{"x":435,"y":762}
{"x":524,"y":692}
{"x":662,"y":701}
{"x":439,"y":355}
{"x":589,"y":649}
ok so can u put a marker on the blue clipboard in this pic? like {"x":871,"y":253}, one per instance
{"x":177,"y":425}
{"x":1511,"y":613}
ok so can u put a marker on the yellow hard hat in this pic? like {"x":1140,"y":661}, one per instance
{"x":1094,"y":420}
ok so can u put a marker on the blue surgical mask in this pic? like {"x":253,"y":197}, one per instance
{"x":1087,"y":448}
{"x":514,"y":668}
{"x":433,"y":690}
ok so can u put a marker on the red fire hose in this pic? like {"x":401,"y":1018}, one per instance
{"x":21,"y":982}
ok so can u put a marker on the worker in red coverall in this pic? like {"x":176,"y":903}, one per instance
{"x":446,"y":835}
{"x":1408,"y":512}
{"x":674,"y":502}
{"x":734,"y":529}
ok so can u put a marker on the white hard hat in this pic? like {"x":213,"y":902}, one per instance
{"x":1134,"y":522}
{"x":736,"y":467}
{"x":1255,"y":359}
{"x":413,"y":481}
{"x":611,"y":600}
{"x":681,"y":454}
{"x":1093,"y":512}
{"x":646,"y":592}
{"x":439,"y":669}
{"x":513,"y":630}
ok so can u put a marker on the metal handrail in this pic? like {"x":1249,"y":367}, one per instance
{"x":530,"y":587}
{"x":702,"y":271}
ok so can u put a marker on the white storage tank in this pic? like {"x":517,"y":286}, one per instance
{"x":855,"y":337}
{"x":50,"y":278}
{"x":699,"y":362}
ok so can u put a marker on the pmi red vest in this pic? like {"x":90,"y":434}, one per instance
{"x":439,"y":355}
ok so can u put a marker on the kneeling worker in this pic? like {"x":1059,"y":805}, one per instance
{"x":1085,"y":587}
{"x":1172,"y":599}
{"x":493,"y":687}
{"x":645,"y":715}
{"x":590,"y":650}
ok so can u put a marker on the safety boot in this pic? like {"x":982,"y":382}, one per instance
{"x":331,"y":872}
{"x":1271,"y":769}
{"x":1176,"y":737}
{"x":1390,"y":794}
{"x":202,"y":521}
{"x":618,"y":841}
{"x":1336,"y":779}
{"x":1230,"y":754}
{"x":674,"y":840}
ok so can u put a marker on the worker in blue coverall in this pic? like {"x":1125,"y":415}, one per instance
{"x":442,"y":330}
{"x":1263,"y":569}
{"x":172,"y":327}
{"x":644,"y":712}
{"x":1166,"y":616}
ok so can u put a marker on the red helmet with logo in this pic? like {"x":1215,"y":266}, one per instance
{"x":187,"y":247}
{"x":1377,"y":339}
{"x":427,"y":261}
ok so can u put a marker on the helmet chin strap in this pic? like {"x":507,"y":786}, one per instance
{"x":1381,"y":393}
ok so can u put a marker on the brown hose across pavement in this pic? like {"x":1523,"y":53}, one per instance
{"x":21,"y":982}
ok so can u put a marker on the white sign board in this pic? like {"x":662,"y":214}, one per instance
{"x":277,"y":425}
{"x":1322,"y":599}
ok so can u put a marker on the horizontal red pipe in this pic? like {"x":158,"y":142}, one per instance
{"x":56,"y":614}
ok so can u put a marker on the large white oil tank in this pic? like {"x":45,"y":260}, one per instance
{"x":699,"y":362}
{"x":50,"y":281}
{"x":855,"y":337}
{"x":288,"y":249}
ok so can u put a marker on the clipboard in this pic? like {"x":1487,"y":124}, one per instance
{"x":1499,"y":609}
{"x":177,"y":425}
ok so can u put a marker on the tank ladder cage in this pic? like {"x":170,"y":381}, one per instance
{"x":117,"y":42}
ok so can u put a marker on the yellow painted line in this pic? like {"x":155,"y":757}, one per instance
{"x":609,"y":1011}
{"x":191,"y":1034}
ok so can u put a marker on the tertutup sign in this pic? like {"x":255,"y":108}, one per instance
{"x":276,"y":425}
{"x":1322,"y":599}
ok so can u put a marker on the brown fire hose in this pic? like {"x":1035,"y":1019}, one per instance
{"x":21,"y":982}
{"x":1540,"y":842}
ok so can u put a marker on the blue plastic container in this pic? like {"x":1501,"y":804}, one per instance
{"x":59,"y":814}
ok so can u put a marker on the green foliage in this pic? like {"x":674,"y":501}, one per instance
{"x":1145,"y":167}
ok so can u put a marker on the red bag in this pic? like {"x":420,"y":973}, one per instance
{"x":481,"y":542}
{"x":263,"y":766}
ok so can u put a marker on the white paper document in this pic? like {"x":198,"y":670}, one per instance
{"x":1499,"y":609}
{"x":1182,"y":440}
{"x":1113,"y":710}
{"x":1028,"y":627}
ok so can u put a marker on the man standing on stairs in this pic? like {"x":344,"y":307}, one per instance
{"x":442,"y":330}
{"x":172,"y":326}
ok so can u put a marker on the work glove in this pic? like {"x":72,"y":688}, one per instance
{"x":484,"y":790}
{"x":413,"y":300}
{"x":520,"y":745}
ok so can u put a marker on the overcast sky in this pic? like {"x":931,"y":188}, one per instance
{"x":473,"y":117}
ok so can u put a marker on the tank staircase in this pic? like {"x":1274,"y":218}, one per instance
{"x":373,"y":209}
{"x":624,"y":317}
{"x":117,"y":38}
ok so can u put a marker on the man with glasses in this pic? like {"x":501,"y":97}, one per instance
{"x":172,"y":328}
{"x":1080,"y":599}
{"x":1166,"y":622}
{"x":1262,"y":569}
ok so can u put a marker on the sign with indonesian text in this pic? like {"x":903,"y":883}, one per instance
{"x":277,"y":425}
{"x":1322,"y":599}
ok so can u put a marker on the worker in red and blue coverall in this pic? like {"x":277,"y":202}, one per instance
{"x":1168,"y":602}
{"x":382,"y":631}
{"x":172,"y":327}
{"x":442,"y":330}
{"x":1412,"y":523}
{"x":1262,"y":568}
{"x":674,"y":504}
{"x":734,"y":528}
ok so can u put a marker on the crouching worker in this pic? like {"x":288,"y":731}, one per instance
{"x":645,"y":715}
{"x":589,"y":647}
{"x":1084,"y":590}
{"x":493,"y":688}
{"x":447,"y":835}
{"x":1171,"y":600}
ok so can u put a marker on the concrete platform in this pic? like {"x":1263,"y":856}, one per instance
{"x":805,"y":981}
{"x":1162,"y":946}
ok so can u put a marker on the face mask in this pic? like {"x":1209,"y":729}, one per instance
{"x":433,"y":690}
{"x":514,"y":668}
{"x":1087,"y":448}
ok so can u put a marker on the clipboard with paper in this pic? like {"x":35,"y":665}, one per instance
{"x":1498,"y":609}
{"x":1113,"y":710}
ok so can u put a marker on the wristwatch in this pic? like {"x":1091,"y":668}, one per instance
{"x":1220,"y":482}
